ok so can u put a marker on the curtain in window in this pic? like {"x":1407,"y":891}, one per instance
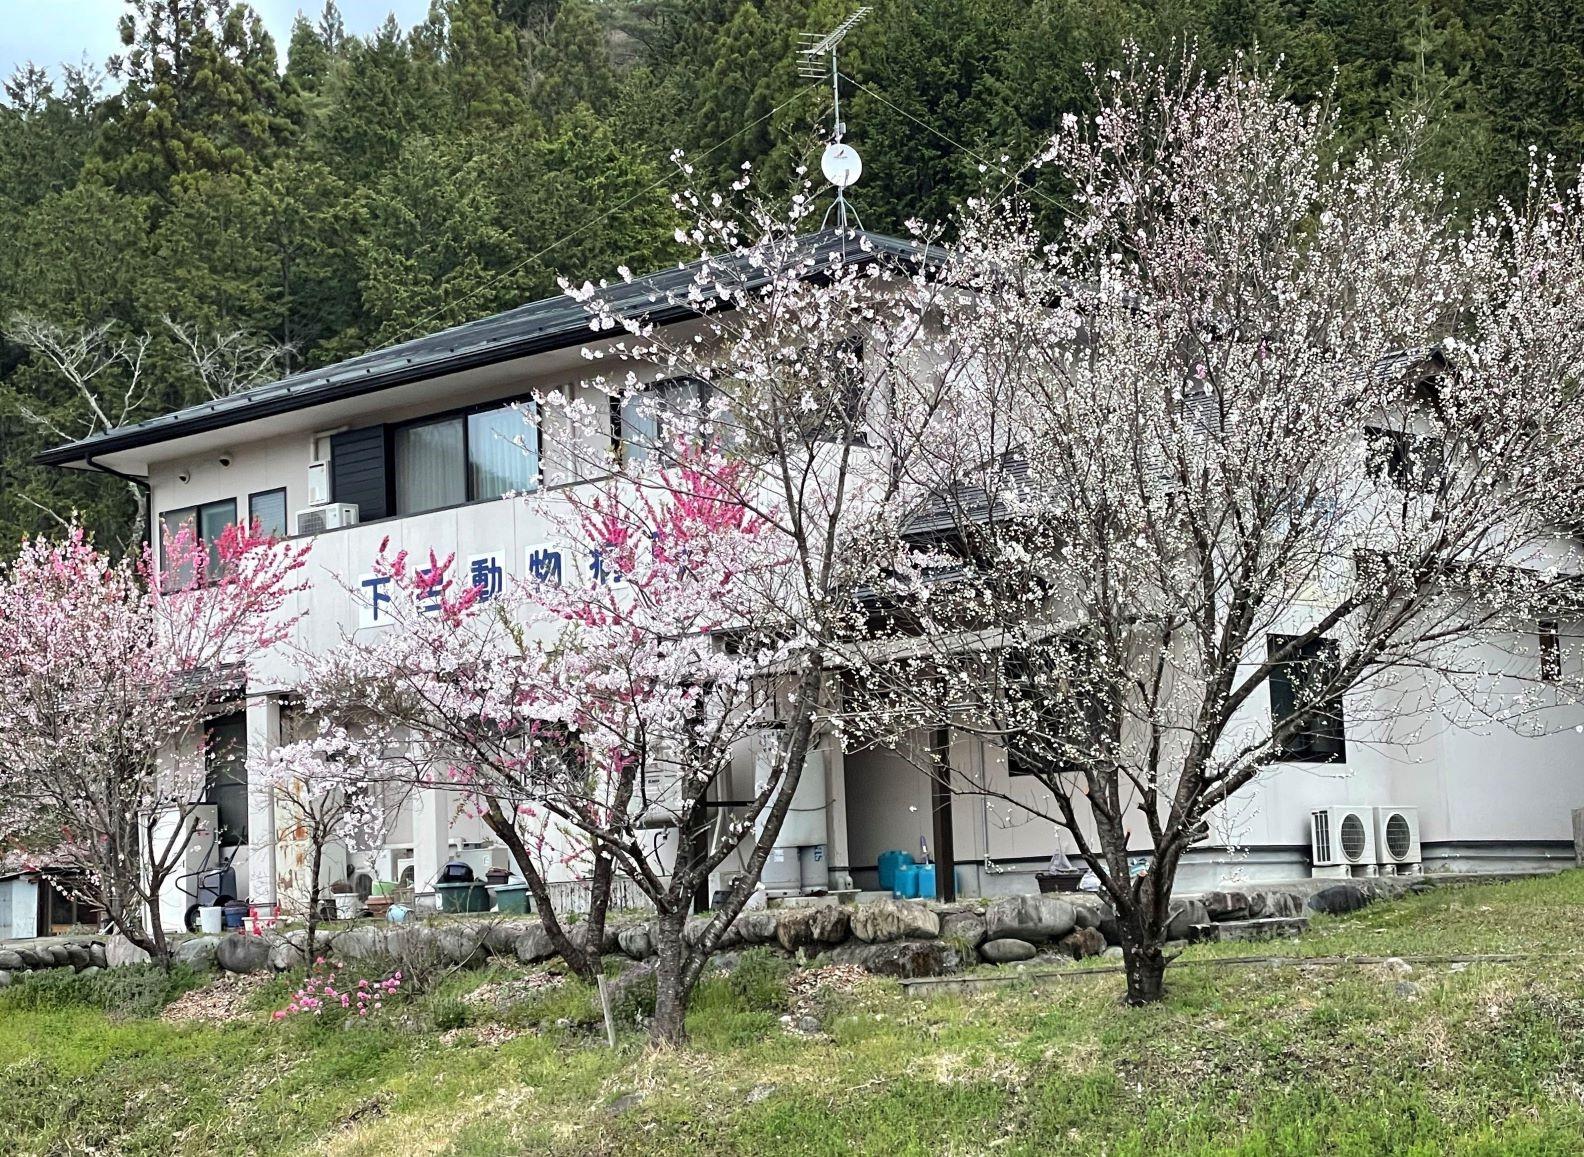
{"x":496,"y":463}
{"x":268,"y":509}
{"x":430,"y":470}
{"x":213,"y":520}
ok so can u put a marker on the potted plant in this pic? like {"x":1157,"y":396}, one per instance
{"x":1060,"y":876}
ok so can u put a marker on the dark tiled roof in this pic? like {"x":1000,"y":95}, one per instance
{"x":555,"y":323}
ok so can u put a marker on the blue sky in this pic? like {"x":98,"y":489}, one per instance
{"x":49,"y":32}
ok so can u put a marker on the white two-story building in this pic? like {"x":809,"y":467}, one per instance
{"x":417,"y":443}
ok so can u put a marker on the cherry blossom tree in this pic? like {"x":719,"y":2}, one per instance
{"x":107,"y":674}
{"x":1267,"y":454}
{"x":332,"y":785}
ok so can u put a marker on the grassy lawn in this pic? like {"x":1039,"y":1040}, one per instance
{"x":1259,"y":1060}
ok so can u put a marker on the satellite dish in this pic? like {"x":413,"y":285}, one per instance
{"x":841,"y":164}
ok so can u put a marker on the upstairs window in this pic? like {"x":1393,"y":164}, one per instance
{"x":460,"y":458}
{"x":208,"y":522}
{"x":1299,"y":684}
{"x":1413,"y":463}
{"x":267,"y":510}
{"x":645,"y":424}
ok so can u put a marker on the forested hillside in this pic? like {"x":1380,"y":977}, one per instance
{"x":213,"y":208}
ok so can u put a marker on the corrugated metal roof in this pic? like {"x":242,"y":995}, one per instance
{"x":554,"y":323}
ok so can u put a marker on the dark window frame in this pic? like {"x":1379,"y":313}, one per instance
{"x":1550,"y":635}
{"x":195,"y":514}
{"x":1409,"y":462}
{"x":1325,"y":743}
{"x":464,"y":413}
{"x":235,"y":833}
{"x":621,"y":448}
{"x":285,"y":508}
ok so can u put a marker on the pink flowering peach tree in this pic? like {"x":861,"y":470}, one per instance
{"x":106,"y":677}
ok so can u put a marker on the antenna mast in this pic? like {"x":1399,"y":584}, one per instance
{"x":840,"y":163}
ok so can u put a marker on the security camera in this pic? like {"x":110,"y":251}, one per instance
{"x":224,"y":459}
{"x":184,"y":475}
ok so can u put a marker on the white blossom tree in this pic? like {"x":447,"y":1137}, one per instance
{"x":1263,"y":423}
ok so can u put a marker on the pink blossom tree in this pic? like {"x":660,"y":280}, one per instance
{"x":106,"y":677}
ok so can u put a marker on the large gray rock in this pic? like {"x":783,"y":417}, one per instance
{"x":78,"y":957}
{"x":1007,"y":950}
{"x":365,"y":942}
{"x":636,"y":942}
{"x":237,"y":953}
{"x":197,"y":951}
{"x":1339,"y":899}
{"x":120,"y":951}
{"x":32,"y":959}
{"x":886,"y":920}
{"x":533,"y":945}
{"x":1264,"y":904}
{"x":1226,"y":905}
{"x":1037,"y":919}
{"x":461,"y":945}
{"x":760,"y":927}
{"x":96,"y":955}
{"x":10,"y":961}
{"x":903,"y":959}
{"x":5,"y":977}
{"x":60,"y":955}
{"x":500,"y":936}
{"x":1185,"y":914}
{"x":1089,"y":908}
{"x":693,"y":933}
{"x":1081,"y":943}
{"x":289,"y":951}
{"x":967,"y":927}
{"x":812,"y":927}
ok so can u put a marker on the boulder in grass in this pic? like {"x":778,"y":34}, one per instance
{"x":1226,"y":905}
{"x":968,"y":927}
{"x":1037,"y":919}
{"x":1007,"y":950}
{"x":10,"y":961}
{"x":886,"y":920}
{"x":754,"y":928}
{"x":1082,"y":943}
{"x":636,"y":942}
{"x":1185,"y":915}
{"x":1339,"y":900}
{"x":197,"y":951}
{"x":242,"y":954}
{"x":96,"y":956}
{"x":814,"y":927}
{"x":903,"y":959}
{"x":534,"y":945}
{"x":121,"y":951}
{"x":78,"y":957}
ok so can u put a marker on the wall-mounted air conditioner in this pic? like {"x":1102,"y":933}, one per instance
{"x":1397,"y":841}
{"x":318,"y":519}
{"x":1342,"y":840}
{"x":318,"y":483}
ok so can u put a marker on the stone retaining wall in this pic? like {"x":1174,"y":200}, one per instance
{"x":900,"y":938}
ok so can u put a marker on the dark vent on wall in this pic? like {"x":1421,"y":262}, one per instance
{"x":357,"y":471}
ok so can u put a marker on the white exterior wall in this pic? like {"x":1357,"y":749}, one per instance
{"x":1486,"y":796}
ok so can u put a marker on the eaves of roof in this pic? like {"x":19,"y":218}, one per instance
{"x":553,"y":323}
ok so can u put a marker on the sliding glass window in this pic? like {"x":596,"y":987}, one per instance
{"x":464,"y":458}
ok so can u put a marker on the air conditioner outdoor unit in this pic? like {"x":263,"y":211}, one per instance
{"x":318,"y":519}
{"x":1342,"y":841}
{"x":318,"y":483}
{"x":1397,"y":840}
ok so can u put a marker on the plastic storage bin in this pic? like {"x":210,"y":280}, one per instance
{"x":924,"y":882}
{"x":906,"y":884}
{"x":888,"y":863}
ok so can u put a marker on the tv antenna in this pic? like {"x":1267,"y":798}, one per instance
{"x":840,"y":162}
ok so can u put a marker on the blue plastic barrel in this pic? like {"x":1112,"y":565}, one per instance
{"x":906,"y":881}
{"x":888,"y":864}
{"x":924,"y":882}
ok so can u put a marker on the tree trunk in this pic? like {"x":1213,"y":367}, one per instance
{"x":582,"y":958}
{"x":313,"y":899}
{"x":1143,"y":952}
{"x":672,"y":990}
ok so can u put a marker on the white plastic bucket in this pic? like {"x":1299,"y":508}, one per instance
{"x":211,"y":920}
{"x":347,"y":905}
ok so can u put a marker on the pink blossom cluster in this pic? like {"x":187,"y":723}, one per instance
{"x":319,"y":992}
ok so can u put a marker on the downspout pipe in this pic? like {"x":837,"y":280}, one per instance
{"x":148,"y":492}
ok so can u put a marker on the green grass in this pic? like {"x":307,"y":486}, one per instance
{"x":1260,"y":1061}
